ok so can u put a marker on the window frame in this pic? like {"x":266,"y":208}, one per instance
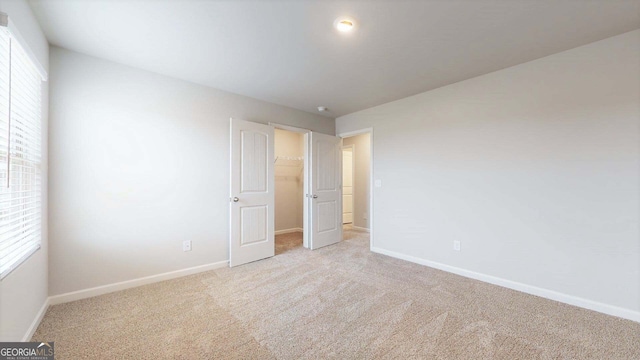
{"x":21,"y":230}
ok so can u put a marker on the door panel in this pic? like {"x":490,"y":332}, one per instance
{"x":327,"y":211}
{"x":347,"y":213}
{"x":346,"y":204}
{"x":252,"y":193}
{"x":254,"y":161}
{"x":326,"y":194}
{"x":326,"y":154}
{"x":253,"y":224}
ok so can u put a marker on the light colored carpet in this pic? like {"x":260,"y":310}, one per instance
{"x":342,"y":302}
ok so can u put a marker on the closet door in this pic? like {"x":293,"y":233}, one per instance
{"x":252,"y":193}
{"x":325,"y":199}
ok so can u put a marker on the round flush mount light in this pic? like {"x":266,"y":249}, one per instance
{"x":322,"y":108}
{"x":344,"y":24}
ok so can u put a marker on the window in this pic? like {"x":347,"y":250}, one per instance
{"x":20,"y":154}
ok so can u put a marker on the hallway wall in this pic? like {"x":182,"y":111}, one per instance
{"x":534,"y":169}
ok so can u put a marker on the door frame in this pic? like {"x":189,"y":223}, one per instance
{"x":369,"y":131}
{"x":305,"y":171}
{"x":353,"y":174}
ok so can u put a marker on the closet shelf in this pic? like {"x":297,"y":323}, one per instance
{"x":289,"y":160}
{"x":289,"y":165}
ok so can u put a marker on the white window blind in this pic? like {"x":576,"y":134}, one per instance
{"x":20,"y":154}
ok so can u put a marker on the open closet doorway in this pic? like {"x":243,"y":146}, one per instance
{"x":252,"y":189}
{"x":347,"y":184}
{"x":356,"y":185}
{"x":289,"y":172}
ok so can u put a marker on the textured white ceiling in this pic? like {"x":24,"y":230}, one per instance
{"x":288,"y":52}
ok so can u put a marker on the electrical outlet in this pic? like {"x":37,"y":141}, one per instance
{"x":378,"y":183}
{"x":186,"y":245}
{"x":364,"y":216}
{"x":456,"y":245}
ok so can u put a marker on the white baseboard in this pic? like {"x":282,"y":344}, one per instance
{"x":36,"y":321}
{"x":358,"y":228}
{"x":529,"y":289}
{"x":105,"y":289}
{"x":288,"y":231}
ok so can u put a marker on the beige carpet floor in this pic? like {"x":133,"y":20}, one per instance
{"x":341,"y":302}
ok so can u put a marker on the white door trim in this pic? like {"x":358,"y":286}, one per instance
{"x":369,"y":131}
{"x":305,"y":171}
{"x":289,"y":128}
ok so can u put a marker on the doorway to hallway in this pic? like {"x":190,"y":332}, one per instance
{"x":356,"y":182}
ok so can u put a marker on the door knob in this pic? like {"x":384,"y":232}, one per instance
{"x":315,"y":196}
{"x":235,"y":199}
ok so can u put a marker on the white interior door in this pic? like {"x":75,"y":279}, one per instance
{"x":252,"y":192}
{"x":347,"y":185}
{"x":326,"y":196}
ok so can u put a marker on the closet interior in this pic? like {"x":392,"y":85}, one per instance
{"x":289,"y":182}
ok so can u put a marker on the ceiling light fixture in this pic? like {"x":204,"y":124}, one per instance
{"x":322,"y":108}
{"x":344,"y":24}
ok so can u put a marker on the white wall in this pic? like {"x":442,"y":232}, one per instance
{"x":23,"y":292}
{"x":139,"y":163}
{"x":289,"y":180}
{"x":362,"y":159}
{"x":535,"y":169}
